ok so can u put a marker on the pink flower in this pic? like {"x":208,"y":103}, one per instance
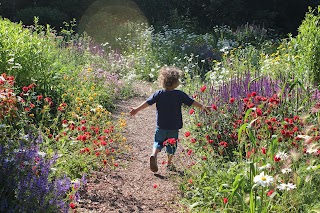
{"x":214,"y":107}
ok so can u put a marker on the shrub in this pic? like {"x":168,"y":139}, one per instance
{"x":308,"y":46}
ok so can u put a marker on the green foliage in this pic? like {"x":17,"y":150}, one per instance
{"x":308,"y":45}
{"x":28,"y":55}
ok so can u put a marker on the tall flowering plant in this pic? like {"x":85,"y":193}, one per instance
{"x":268,"y":146}
{"x":25,"y":167}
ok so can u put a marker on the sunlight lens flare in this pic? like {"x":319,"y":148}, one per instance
{"x":107,"y":20}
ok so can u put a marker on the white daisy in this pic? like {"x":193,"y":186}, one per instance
{"x":267,"y":166}
{"x":313,"y":148}
{"x":286,"y":170}
{"x":282,"y":155}
{"x":288,"y":186}
{"x":263,"y":180}
{"x":311,"y":167}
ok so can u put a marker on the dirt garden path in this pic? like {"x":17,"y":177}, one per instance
{"x":132,"y":187}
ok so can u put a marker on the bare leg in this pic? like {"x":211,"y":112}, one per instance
{"x":170,"y":159}
{"x":155,"y":152}
{"x":153,"y":160}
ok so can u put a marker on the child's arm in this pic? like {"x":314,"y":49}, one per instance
{"x":137,"y":109}
{"x":197,"y":104}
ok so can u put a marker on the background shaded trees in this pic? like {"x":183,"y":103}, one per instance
{"x":197,"y":15}
{"x":283,"y":16}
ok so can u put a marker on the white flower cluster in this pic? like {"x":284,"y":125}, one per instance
{"x":265,"y":180}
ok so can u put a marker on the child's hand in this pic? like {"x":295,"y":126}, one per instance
{"x":207,"y":109}
{"x":133,"y":112}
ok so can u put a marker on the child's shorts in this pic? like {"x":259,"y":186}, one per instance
{"x":162,"y":135}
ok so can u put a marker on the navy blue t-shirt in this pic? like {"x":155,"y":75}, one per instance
{"x":168,"y":103}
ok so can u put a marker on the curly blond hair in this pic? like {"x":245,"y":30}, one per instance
{"x":169,"y":77}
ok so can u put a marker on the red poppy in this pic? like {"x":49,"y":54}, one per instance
{"x":223,"y":143}
{"x":231,"y":100}
{"x":225,"y":200}
{"x":171,"y":141}
{"x":25,"y":89}
{"x":191,"y":111}
{"x":203,"y":88}
{"x":276,"y":158}
{"x":72,"y":205}
{"x":270,"y":192}
{"x":214,"y":107}
{"x":187,"y":134}
{"x":259,"y":111}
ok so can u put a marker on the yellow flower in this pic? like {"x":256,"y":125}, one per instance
{"x":89,"y":69}
{"x":91,"y":98}
{"x":31,"y":115}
